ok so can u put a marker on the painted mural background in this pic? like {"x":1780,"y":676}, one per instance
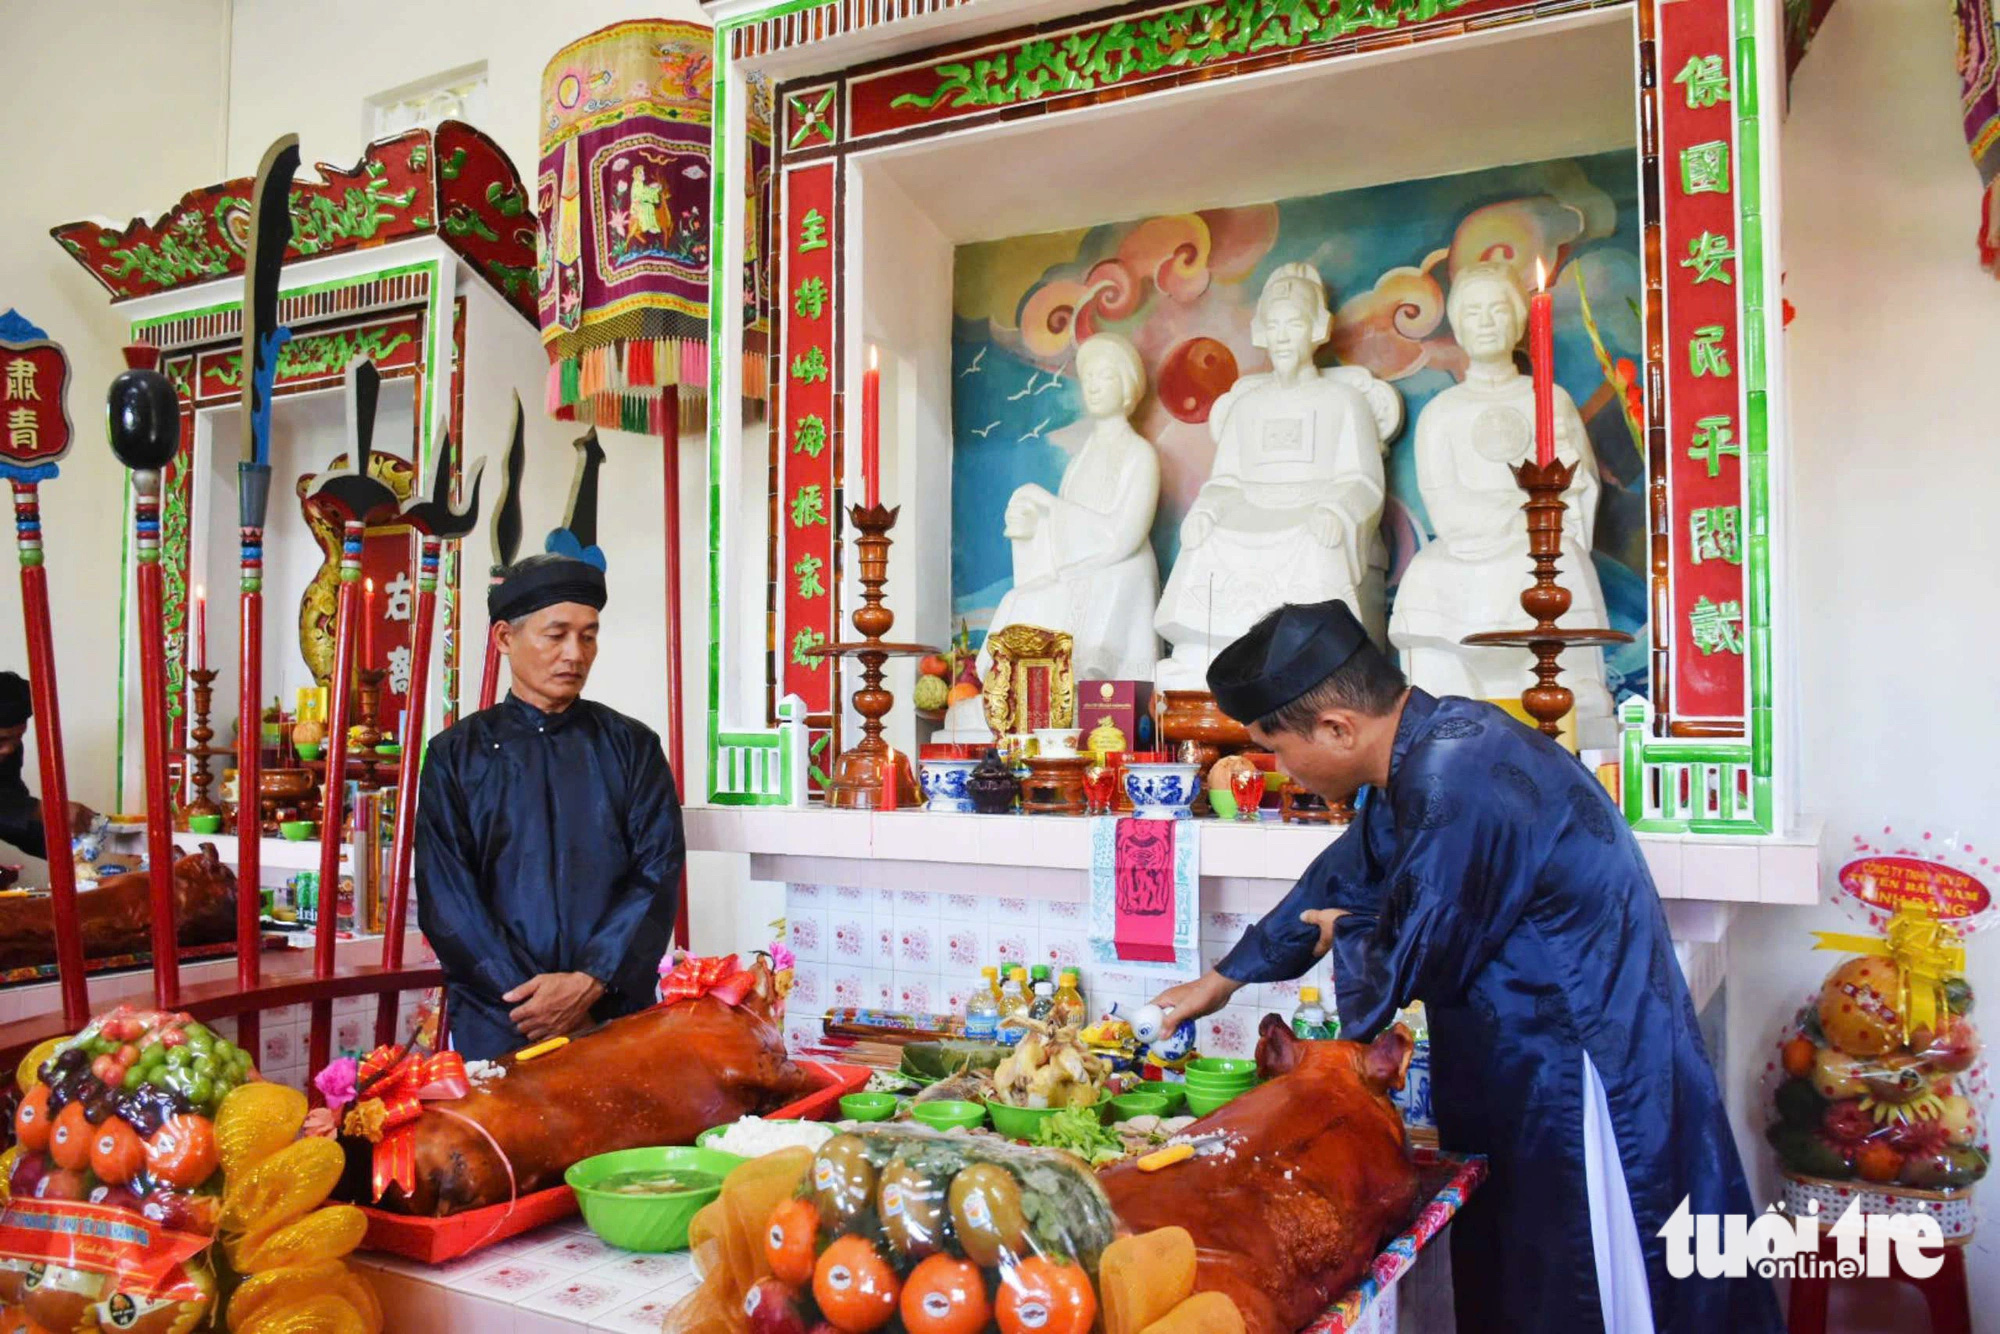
{"x":1182,"y":287}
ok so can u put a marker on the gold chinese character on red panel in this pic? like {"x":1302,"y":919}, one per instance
{"x":34,"y":382}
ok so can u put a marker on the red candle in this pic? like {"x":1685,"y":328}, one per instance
{"x":367,"y":623}
{"x":888,"y":802}
{"x":200,"y":628}
{"x":871,"y":430}
{"x":1542,"y":356}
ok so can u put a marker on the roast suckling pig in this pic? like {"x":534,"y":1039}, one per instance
{"x":117,"y":916}
{"x":1313,"y":1178}
{"x":661,"y":1076}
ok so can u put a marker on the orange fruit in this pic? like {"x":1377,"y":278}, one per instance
{"x":69,"y":1141}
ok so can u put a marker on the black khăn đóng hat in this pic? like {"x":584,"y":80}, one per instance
{"x":1280,"y":658}
{"x":537,"y":583}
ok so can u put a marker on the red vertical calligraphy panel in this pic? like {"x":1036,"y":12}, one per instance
{"x":806,"y":495}
{"x":1706,"y":431}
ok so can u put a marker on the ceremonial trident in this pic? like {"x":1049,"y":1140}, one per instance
{"x":352,"y":494}
{"x":436,"y":521}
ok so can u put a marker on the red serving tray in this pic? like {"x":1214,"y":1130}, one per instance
{"x":436,"y":1240}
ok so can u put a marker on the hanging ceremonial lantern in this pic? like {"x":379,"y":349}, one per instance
{"x":623,"y":197}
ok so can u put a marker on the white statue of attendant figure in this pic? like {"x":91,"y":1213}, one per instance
{"x":1292,"y":506}
{"x":1083,"y":556}
{"x":1469,"y":577}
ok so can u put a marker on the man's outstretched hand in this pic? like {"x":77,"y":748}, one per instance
{"x":1197,"y":999}
{"x":550,"y":1005}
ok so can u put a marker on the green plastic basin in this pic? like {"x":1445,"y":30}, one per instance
{"x":646,"y":1222}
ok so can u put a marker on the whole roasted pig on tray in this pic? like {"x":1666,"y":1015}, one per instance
{"x":661,"y":1076}
{"x":116,"y":917}
{"x":1310,"y":1178}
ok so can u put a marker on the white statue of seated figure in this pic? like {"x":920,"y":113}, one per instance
{"x":1469,"y":577}
{"x":1292,"y":506}
{"x":1083,"y":556}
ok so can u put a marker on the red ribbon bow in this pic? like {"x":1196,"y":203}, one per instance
{"x":401,"y":1081}
{"x":718,"y":977}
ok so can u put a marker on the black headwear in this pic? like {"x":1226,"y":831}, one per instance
{"x":543,"y":581}
{"x":16,"y":705}
{"x":1283,"y":656}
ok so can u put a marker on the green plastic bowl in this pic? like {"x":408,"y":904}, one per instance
{"x":298,"y":831}
{"x":1222,"y":802}
{"x":1201,"y":1104}
{"x":1023,"y":1122}
{"x":1128,"y":1105}
{"x":646,"y":1222}
{"x":948,"y":1113}
{"x":1175,"y":1094}
{"x":868,"y":1106}
{"x":1221,"y":1065}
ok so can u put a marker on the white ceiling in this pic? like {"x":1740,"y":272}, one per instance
{"x":1555,"y":89}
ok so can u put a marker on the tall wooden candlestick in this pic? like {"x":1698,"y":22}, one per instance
{"x":864,"y":771}
{"x":1546,"y":599}
{"x":368,"y":721}
{"x":200,"y":733}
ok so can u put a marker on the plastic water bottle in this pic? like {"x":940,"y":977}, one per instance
{"x":1043,"y":1006}
{"x":982,"y":1011}
{"x":1013,"y":1001}
{"x":1311,"y":1021}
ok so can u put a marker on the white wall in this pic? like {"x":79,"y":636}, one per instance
{"x":113,"y":108}
{"x":1894,"y":405}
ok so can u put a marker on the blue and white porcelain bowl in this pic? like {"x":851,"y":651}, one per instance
{"x":944,"y":785}
{"x":1161,"y":791}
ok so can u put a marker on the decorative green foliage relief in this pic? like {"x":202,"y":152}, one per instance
{"x":1184,"y":38}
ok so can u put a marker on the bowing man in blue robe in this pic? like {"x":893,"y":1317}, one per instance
{"x":549,"y":847}
{"x":1490,"y":877}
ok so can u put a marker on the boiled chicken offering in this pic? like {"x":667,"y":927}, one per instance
{"x":1311,"y":1176}
{"x":661,"y":1076}
{"x":117,"y":917}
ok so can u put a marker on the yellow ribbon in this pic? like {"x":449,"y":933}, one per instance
{"x":1926,"y":952}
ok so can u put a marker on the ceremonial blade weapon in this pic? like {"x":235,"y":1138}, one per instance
{"x":263,"y":336}
{"x":506,"y":545}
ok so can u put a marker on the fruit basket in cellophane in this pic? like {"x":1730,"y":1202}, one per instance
{"x":1878,"y":1086}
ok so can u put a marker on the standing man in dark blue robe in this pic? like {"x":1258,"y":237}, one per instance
{"x":1490,"y":877}
{"x":549,"y":846}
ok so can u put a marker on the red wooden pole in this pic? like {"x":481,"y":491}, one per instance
{"x":49,"y":755}
{"x":334,"y":787}
{"x":153,"y":690}
{"x":671,"y":527}
{"x":250,"y":767}
{"x":402,"y":846}
{"x":489,"y":672}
